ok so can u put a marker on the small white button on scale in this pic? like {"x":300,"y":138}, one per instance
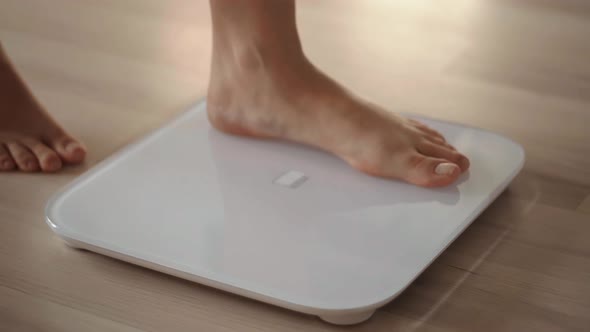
{"x":291,"y":179}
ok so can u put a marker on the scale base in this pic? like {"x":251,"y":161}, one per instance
{"x":350,"y":319}
{"x":274,"y":221}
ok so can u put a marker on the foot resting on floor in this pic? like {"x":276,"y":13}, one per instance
{"x":30,"y":140}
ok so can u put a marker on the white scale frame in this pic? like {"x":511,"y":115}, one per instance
{"x":275,"y":221}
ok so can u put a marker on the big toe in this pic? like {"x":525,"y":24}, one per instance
{"x":70,"y":150}
{"x":430,"y":172}
{"x":444,"y":151}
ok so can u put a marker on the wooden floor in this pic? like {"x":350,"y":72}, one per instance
{"x":112,"y":70}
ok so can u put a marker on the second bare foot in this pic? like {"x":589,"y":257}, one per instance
{"x":30,"y":140}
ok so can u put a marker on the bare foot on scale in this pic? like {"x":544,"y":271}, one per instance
{"x":262,"y":85}
{"x":30,"y":140}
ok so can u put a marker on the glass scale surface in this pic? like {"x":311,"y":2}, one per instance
{"x":275,"y":221}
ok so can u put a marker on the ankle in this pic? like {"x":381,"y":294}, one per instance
{"x":267,"y":68}
{"x":242,"y":53}
{"x":255,"y":33}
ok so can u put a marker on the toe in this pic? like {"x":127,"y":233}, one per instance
{"x":48,"y":159}
{"x":69,"y":149}
{"x":437,"y":141}
{"x":444,"y":152}
{"x":6,"y":162}
{"x":433,"y":134}
{"x":430,"y":172}
{"x":24,"y":158}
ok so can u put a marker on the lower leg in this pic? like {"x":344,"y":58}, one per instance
{"x":263,"y":85}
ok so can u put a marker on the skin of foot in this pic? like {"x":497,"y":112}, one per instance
{"x":30,"y":140}
{"x":262,"y":85}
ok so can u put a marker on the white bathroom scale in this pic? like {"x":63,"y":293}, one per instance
{"x":275,"y":221}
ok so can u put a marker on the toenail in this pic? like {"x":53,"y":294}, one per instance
{"x":465,"y":161}
{"x":30,"y":165}
{"x":445,"y":169}
{"x":7,"y":164}
{"x":72,"y":146}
